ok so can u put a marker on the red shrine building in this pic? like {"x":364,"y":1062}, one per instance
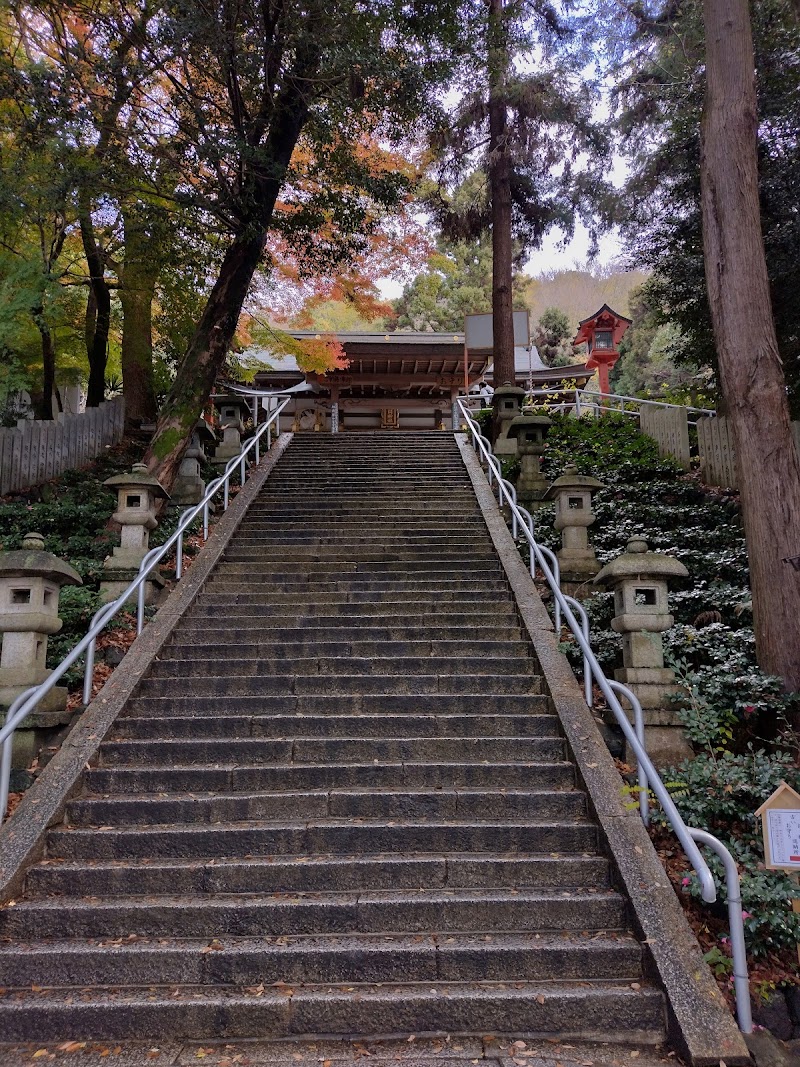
{"x":602,"y":333}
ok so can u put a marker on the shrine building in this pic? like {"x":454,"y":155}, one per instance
{"x":402,"y":380}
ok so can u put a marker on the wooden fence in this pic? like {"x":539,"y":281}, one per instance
{"x":36,"y":451}
{"x":717,"y":454}
{"x":670,"y":428}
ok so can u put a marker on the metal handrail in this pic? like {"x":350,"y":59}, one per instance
{"x":687,"y":837}
{"x":27,"y":701}
{"x":588,"y":398}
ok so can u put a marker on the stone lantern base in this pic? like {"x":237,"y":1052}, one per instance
{"x":665,"y":737}
{"x":37,"y":727}
{"x":118,"y":580}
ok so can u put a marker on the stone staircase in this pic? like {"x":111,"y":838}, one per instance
{"x":339,"y":803}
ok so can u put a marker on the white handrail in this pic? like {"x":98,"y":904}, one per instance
{"x":685,"y":835}
{"x":27,"y":701}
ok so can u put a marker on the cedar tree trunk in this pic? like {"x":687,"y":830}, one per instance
{"x":97,"y":339}
{"x":751,"y":374}
{"x":139,"y":277}
{"x":500,"y":192}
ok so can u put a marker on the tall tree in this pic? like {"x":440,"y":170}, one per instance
{"x":751,"y":374}
{"x":527,"y":123}
{"x":255,"y":77}
{"x":499,"y":166}
{"x":663,"y":91}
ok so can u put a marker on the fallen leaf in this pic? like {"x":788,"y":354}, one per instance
{"x":39,"y":1053}
{"x":72,"y":1046}
{"x":540,"y":999}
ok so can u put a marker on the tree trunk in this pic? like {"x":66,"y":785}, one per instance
{"x":500,"y":192}
{"x":204,"y":358}
{"x":139,"y":277}
{"x":751,"y":374}
{"x":209,"y":346}
{"x":49,"y":404}
{"x":97,"y":343}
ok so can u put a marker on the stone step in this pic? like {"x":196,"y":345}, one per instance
{"x":255,"y":750}
{"x":284,"y":669}
{"x":234,"y":573}
{"x":380,"y":911}
{"x":387,"y":633}
{"x":352,"y":617}
{"x":322,"y":835}
{"x":167,"y":777}
{"x":309,"y":725}
{"x":348,"y":958}
{"x":183,"y":704}
{"x":563,"y":1009}
{"x":149,"y":809}
{"x":315,"y":873}
{"x":306,"y":684}
{"x":278,"y":644}
{"x":235,"y":594}
{"x":436,"y":559}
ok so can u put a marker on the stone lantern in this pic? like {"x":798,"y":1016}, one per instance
{"x":507,"y":404}
{"x":530,"y":432}
{"x":640,"y":579}
{"x":30,"y":586}
{"x":232,"y":410}
{"x":572,"y":493}
{"x":137,"y":494}
{"x":189,"y":486}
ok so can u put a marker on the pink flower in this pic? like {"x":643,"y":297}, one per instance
{"x":749,"y":709}
{"x":747,"y":915}
{"x":686,"y":881}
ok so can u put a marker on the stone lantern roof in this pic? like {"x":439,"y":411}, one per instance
{"x":138,"y":475}
{"x":31,"y":561}
{"x":570,"y":479}
{"x":525,"y":421}
{"x":638,"y":563}
{"x":507,"y":389}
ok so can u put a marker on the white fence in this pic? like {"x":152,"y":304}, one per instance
{"x":36,"y":451}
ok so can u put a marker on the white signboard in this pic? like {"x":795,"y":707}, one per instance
{"x":783,"y":831}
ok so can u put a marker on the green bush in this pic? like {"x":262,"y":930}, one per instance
{"x":735,"y":715}
{"x":721,"y":794}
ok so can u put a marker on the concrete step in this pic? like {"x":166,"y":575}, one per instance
{"x":235,"y":594}
{"x":183,"y":704}
{"x":278,"y":644}
{"x":255,"y":750}
{"x":381,"y":911}
{"x":349,"y":617}
{"x":322,"y":835}
{"x":387,"y":633}
{"x":307,"y":684}
{"x":319,"y":872}
{"x":206,"y":808}
{"x":348,"y":958}
{"x":309,"y":725}
{"x":291,"y":668}
{"x":555,"y":774}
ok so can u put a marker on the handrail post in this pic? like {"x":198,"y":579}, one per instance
{"x":741,"y":978}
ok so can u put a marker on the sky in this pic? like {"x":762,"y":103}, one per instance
{"x":552,"y":256}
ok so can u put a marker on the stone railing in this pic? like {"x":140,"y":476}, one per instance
{"x":34,"y":452}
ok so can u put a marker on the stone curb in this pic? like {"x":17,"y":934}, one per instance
{"x":22,"y":837}
{"x":699,"y":1025}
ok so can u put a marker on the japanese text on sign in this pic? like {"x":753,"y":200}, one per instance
{"x":783,"y":828}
